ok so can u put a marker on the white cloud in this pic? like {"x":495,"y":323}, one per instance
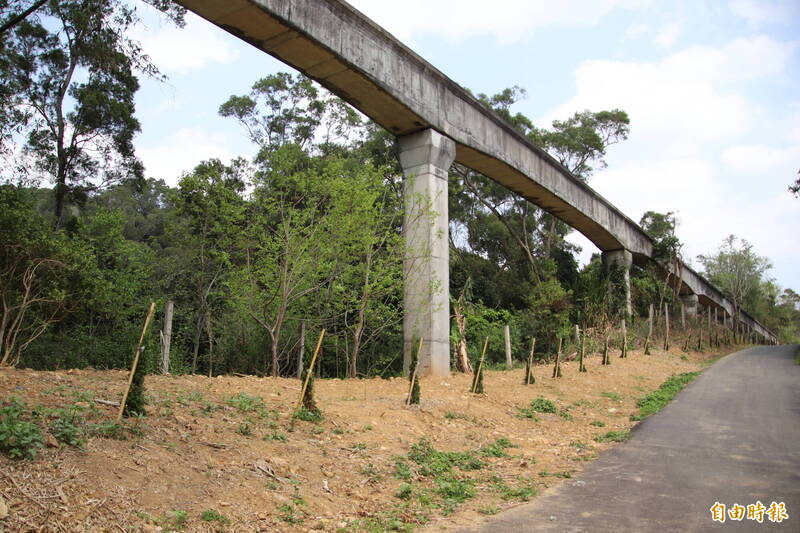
{"x":667,"y":36}
{"x":759,"y":12}
{"x":634,"y":31}
{"x":181,"y":152}
{"x":687,"y":98}
{"x":760,"y":159}
{"x":505,"y":20}
{"x":180,"y":50}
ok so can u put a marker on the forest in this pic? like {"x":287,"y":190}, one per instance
{"x":259,"y":253}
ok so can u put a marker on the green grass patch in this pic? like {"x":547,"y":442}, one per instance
{"x":656,"y":400}
{"x":543,"y":405}
{"x":613,"y":436}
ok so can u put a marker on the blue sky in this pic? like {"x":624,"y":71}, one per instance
{"x":712,"y":88}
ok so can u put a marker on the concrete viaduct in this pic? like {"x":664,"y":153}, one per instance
{"x":438,"y":122}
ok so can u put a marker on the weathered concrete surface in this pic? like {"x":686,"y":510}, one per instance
{"x":346,"y":52}
{"x":426,"y":157}
{"x":623,"y":259}
{"x":730,"y":437}
{"x":690,"y":301}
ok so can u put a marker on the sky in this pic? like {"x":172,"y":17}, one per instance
{"x":712,"y":89}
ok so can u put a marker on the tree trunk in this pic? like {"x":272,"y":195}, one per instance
{"x":210,"y":346}
{"x":462,"y":359}
{"x":198,"y":331}
{"x":166,"y":336}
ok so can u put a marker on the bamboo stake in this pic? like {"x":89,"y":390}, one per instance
{"x":557,"y":366}
{"x":529,"y":375}
{"x":308,"y":374}
{"x":414,"y":373}
{"x":666,"y":324}
{"x":507,"y":335}
{"x":606,"y":360}
{"x":624,"y":340}
{"x":480,"y":366}
{"x":136,"y":354}
{"x":582,"y":365}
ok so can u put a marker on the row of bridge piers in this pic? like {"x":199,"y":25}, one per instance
{"x":425,"y":157}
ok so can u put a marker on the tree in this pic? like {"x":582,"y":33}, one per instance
{"x":71,"y":71}
{"x":795,"y":187}
{"x":666,"y":254}
{"x":737,"y":270}
{"x":212,"y":211}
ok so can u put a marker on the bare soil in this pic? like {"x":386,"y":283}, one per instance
{"x":199,"y":450}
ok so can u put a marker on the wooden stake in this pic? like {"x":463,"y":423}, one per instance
{"x":606,"y":360}
{"x":480,"y":366}
{"x":166,"y":336}
{"x":581,"y":364}
{"x":557,"y":366}
{"x":529,"y":375}
{"x":507,"y":335}
{"x":624,"y":340}
{"x":136,"y":354}
{"x":666,"y":326}
{"x":308,"y":374}
{"x":414,"y":373}
{"x":301,"y":352}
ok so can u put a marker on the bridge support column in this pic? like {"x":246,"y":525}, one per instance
{"x":691,"y":303}
{"x":426,"y":157}
{"x":622,"y":259}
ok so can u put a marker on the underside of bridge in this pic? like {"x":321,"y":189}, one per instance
{"x":346,"y":52}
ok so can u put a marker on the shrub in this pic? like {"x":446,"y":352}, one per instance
{"x":543,"y":405}
{"x":19,"y":438}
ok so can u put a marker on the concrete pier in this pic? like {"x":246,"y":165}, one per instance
{"x":426,"y":157}
{"x":690,"y":301}
{"x":624,"y":259}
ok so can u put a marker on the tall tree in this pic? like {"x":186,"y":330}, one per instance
{"x":71,"y":71}
{"x":737,"y":270}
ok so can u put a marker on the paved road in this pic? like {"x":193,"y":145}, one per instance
{"x":732,"y":436}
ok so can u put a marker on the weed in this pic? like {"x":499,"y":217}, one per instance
{"x":210,"y":515}
{"x":174,"y":521}
{"x":317,"y":431}
{"x":107,"y":430}
{"x":525,"y":412}
{"x":455,"y":491}
{"x":434,"y":462}
{"x":563,"y":475}
{"x":543,"y":405}
{"x":186,"y":398}
{"x":65,"y":430}
{"x":401,"y":469}
{"x":245,"y":403}
{"x":404,"y":492}
{"x":566,"y":415}
{"x":489,"y":510}
{"x":245,"y":429}
{"x":290,"y":514}
{"x":613,"y":436}
{"x":337,"y":431}
{"x":372,"y":474}
{"x":497,"y":448}
{"x":612,"y":396}
{"x":19,"y":438}
{"x":307,"y":415}
{"x":656,"y":400}
{"x":597,"y":423}
{"x":451,"y":415}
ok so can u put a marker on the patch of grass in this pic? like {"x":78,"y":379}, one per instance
{"x":497,"y":448}
{"x":20,"y":438}
{"x":526,"y":412}
{"x":186,"y":398}
{"x":433,"y":462}
{"x":276,"y":437}
{"x":404,"y":492}
{"x":291,"y":514}
{"x":245,"y":429}
{"x":455,"y":491}
{"x":597,"y":423}
{"x":656,"y":400}
{"x":489,"y":510}
{"x":566,"y":415}
{"x":612,"y":396}
{"x":174,"y":521}
{"x":307,"y":415}
{"x":337,"y":431}
{"x":245,"y":403}
{"x":401,"y":469}
{"x":563,"y":475}
{"x":452,"y":415}
{"x":210,"y":515}
{"x":543,"y":405}
{"x":523,"y":491}
{"x":613,"y":436}
{"x":372,"y":474}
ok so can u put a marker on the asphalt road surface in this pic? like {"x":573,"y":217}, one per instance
{"x":731,"y":437}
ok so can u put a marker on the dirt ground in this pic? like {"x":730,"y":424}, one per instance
{"x":210,"y":444}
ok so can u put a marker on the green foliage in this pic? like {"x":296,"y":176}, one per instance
{"x":20,"y":438}
{"x":308,"y":416}
{"x":136,"y":401}
{"x":613,"y":436}
{"x":66,"y":428}
{"x":543,"y":405}
{"x":246,"y":403}
{"x":597,"y":423}
{"x":656,"y":400}
{"x":211,"y":515}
